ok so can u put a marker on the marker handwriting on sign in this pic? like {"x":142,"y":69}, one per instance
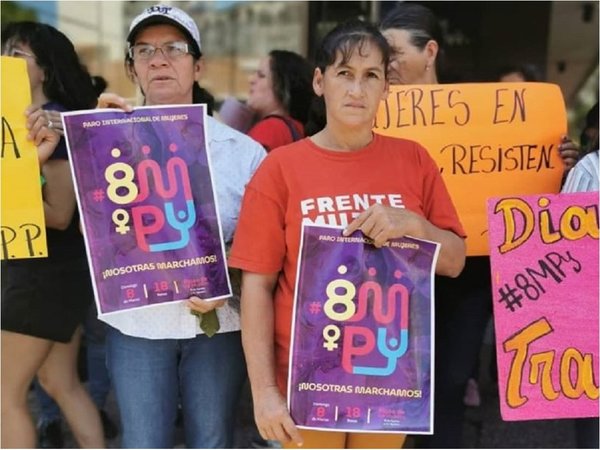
{"x":26,"y":233}
{"x":8,"y":139}
{"x":542,"y":366}
{"x":575,"y":222}
{"x":415,"y":107}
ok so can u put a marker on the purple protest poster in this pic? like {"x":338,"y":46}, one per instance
{"x":361,"y":353}
{"x":147,"y":205}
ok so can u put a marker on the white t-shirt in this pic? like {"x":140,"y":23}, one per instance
{"x":234,"y":159}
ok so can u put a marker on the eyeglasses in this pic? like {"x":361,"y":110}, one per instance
{"x":170,"y":50}
{"x":18,"y":53}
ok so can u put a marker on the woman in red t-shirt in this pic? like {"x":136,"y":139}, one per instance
{"x":319,"y":178}
{"x":280,"y":95}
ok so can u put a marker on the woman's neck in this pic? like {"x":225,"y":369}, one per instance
{"x":429,"y":77}
{"x":343,"y":140}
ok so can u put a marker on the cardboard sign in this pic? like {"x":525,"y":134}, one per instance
{"x":147,"y":203}
{"x":23,"y":229}
{"x":544,"y":260}
{"x":361,"y":352}
{"x":489,"y":139}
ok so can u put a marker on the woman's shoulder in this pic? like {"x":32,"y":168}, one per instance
{"x":405,"y":150}
{"x":271,"y":122}
{"x":396,"y":143}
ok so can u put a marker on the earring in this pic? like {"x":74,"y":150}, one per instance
{"x":427,"y":67}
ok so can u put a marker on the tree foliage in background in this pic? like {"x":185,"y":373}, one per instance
{"x":13,"y":12}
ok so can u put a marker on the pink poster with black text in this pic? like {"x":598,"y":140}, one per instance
{"x":544,"y":261}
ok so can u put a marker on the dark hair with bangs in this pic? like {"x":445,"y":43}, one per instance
{"x":66,"y":80}
{"x":348,"y":37}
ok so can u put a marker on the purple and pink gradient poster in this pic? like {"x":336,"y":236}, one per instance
{"x":361,"y":354}
{"x":147,"y":205}
{"x":544,"y":260}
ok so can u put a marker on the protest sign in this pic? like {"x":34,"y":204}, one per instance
{"x":147,"y":205}
{"x":488,"y":139}
{"x":23,"y":230}
{"x":361,"y":352}
{"x":544,"y":260}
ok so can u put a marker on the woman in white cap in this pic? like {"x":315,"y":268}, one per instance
{"x":160,"y":357}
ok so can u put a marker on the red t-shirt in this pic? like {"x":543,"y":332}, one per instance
{"x":273,"y":132}
{"x":302,"y":181}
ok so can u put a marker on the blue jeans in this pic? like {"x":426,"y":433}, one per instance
{"x":151,"y":377}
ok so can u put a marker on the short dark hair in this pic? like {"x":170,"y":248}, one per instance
{"x":66,"y":80}
{"x":292,"y":82}
{"x":529,"y":72}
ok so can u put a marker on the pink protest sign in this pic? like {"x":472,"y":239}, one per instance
{"x":544,"y":259}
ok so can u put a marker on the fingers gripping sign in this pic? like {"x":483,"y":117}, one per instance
{"x":203,"y":306}
{"x":382,"y":223}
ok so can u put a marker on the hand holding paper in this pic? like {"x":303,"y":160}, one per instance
{"x":110,"y":100}
{"x":205,"y":311}
{"x":272,"y":417}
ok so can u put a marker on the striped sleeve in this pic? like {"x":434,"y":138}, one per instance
{"x":584,"y":176}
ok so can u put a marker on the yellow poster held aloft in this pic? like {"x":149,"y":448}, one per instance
{"x":22,"y":227}
{"x":488,"y":139}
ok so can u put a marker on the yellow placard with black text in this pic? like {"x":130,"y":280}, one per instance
{"x":22,"y":226}
{"x":488,"y":139}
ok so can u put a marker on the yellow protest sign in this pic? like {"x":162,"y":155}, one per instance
{"x":488,"y":139}
{"x":22,"y":229}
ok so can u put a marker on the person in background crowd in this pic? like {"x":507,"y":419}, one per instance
{"x":463,"y":305}
{"x":161,"y":357}
{"x":345,"y":157}
{"x":280,"y":95}
{"x":518,"y":73}
{"x":45,"y":300}
{"x":584,"y":178}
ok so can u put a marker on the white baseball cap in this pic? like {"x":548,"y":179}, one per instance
{"x":171,"y":15}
